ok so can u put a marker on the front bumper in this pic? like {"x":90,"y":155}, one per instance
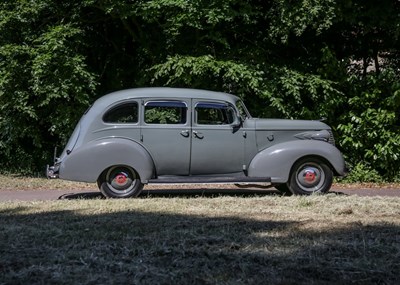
{"x":52,"y":172}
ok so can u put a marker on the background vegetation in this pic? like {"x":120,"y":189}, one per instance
{"x":294,"y":59}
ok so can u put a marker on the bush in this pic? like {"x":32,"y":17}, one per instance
{"x":370,"y":130}
{"x":362,"y":173}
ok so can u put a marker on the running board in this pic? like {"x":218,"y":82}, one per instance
{"x":208,"y":179}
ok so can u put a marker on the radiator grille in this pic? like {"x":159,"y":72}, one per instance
{"x":331,"y":138}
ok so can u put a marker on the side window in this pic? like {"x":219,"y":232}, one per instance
{"x":123,"y":114}
{"x":165,"y":112}
{"x":214,"y":114}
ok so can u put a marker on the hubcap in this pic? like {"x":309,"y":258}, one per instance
{"x":310,"y":177}
{"x":120,"y":179}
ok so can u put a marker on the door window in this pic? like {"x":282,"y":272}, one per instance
{"x":214,"y":114}
{"x":165,"y":112}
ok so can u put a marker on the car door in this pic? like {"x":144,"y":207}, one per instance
{"x":217,"y":142}
{"x":165,"y":133}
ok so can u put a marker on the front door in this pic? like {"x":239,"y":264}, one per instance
{"x":165,"y":133}
{"x":217,"y":143}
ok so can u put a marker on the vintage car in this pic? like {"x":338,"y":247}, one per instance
{"x":169,"y":135}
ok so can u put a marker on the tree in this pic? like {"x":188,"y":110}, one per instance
{"x":44,"y":80}
{"x":306,"y":59}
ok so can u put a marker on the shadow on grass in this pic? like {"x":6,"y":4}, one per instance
{"x":82,"y":196}
{"x":183,"y":192}
{"x":139,"y":247}
{"x":187,"y":192}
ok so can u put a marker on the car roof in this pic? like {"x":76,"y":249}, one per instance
{"x":164,"y":92}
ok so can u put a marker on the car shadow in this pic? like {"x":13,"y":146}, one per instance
{"x":190,"y":193}
{"x":182,"y":192}
{"x":81,"y":196}
{"x":209,"y":192}
{"x":338,"y":193}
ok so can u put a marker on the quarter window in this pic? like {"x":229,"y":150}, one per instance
{"x":214,"y":114}
{"x":244,"y":113}
{"x":165,"y":112}
{"x":122,"y":114}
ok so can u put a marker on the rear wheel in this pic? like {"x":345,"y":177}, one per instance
{"x":310,"y":175}
{"x":120,"y":182}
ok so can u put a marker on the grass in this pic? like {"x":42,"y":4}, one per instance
{"x":19,"y":182}
{"x":330,"y":239}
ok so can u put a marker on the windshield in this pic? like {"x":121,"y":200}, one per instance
{"x":244,"y":113}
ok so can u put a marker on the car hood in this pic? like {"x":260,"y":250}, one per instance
{"x":286,"y":124}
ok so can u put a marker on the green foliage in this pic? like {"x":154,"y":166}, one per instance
{"x":60,"y":76}
{"x":162,"y":115}
{"x":371,"y":132}
{"x":44,"y":83}
{"x":295,"y":17}
{"x":187,"y":70}
{"x":306,"y":59}
{"x":298,"y":95}
{"x":364,"y":174}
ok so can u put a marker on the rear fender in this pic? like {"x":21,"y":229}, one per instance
{"x":87,"y":162}
{"x":276,"y":161}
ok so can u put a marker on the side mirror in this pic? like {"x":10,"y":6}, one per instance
{"x":237,"y":123}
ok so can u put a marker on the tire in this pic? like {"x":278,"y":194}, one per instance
{"x":284,"y":189}
{"x":120,"y":182}
{"x":310,"y":175}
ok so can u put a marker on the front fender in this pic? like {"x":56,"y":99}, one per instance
{"x":88,"y":161}
{"x":276,"y":161}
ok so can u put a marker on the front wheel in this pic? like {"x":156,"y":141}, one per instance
{"x":310,"y":175}
{"x":284,"y":189}
{"x":120,"y":182}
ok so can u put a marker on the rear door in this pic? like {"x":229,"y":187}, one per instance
{"x":165,"y":133}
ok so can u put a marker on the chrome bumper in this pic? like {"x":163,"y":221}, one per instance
{"x":52,"y":172}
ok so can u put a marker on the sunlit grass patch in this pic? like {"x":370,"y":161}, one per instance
{"x":18,"y":182}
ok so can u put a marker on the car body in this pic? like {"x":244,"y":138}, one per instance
{"x":173,"y":135}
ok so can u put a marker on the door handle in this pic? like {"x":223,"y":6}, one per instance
{"x":198,"y":135}
{"x":185,"y":133}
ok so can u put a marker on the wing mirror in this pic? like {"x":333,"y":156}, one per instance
{"x":237,"y":123}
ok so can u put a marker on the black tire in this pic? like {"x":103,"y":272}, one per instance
{"x":310,"y":175}
{"x":284,"y":189}
{"x":120,"y":182}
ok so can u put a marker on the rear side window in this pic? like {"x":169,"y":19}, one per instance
{"x":123,"y":114}
{"x":165,"y":112}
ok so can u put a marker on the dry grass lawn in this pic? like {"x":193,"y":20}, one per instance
{"x":330,"y":239}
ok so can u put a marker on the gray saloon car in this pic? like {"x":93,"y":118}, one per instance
{"x":168,"y":135}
